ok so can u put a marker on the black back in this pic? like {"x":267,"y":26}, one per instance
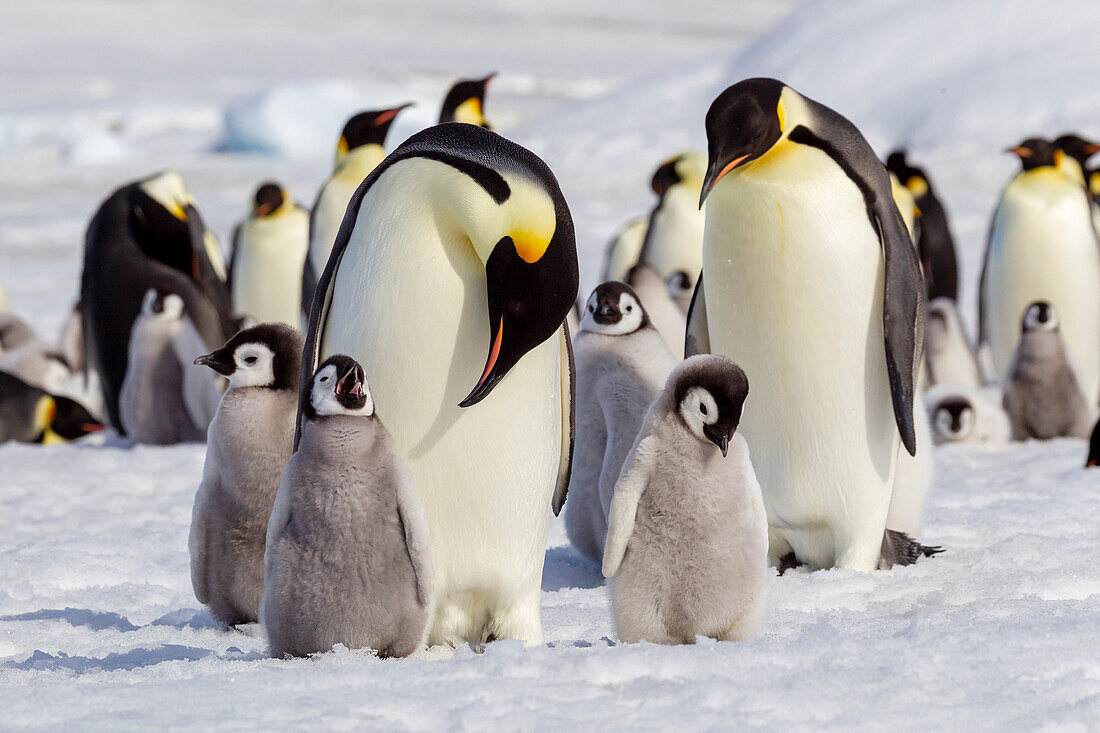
{"x":935,"y":243}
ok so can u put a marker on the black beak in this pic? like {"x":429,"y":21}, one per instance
{"x":349,"y":388}
{"x":219,"y":361}
{"x":716,"y":171}
{"x":722,"y":441}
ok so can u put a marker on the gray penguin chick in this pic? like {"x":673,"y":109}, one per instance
{"x":163,"y":400}
{"x":348,"y":548}
{"x":249,"y":441}
{"x":655,"y":294}
{"x":948,"y":356}
{"x":622,"y":364}
{"x":687,"y":541}
{"x":1043,"y":397}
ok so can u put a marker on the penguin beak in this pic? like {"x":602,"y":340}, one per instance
{"x":219,"y":361}
{"x":528,"y":301}
{"x":71,"y":421}
{"x":716,"y":172}
{"x":349,"y":388}
{"x":720,"y":440}
{"x":264,"y":209}
{"x":385,"y":117}
{"x":1019,"y":151}
{"x":665,"y":177}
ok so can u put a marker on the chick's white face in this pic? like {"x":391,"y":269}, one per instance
{"x":612,"y":316}
{"x":325,"y":400}
{"x":168,"y":308}
{"x":698,"y":409}
{"x":954,"y":425}
{"x":1040,"y":317}
{"x":254,"y":366}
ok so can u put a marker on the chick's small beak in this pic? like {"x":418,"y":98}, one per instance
{"x":218,"y":361}
{"x":721,"y":440}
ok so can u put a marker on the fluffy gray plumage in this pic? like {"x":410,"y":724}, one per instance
{"x":618,"y":378}
{"x":666,"y":315}
{"x":948,"y":357}
{"x":1043,"y":397}
{"x":347,"y":546}
{"x":249,"y":442}
{"x":687,"y":545}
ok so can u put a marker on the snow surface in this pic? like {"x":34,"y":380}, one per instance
{"x":98,"y":625}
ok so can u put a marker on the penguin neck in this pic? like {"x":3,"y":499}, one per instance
{"x":360,"y":161}
{"x":338,"y":438}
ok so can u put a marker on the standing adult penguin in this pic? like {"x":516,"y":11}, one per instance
{"x":269,"y":254}
{"x":250,"y":440}
{"x":1077,"y":151}
{"x":477,"y":226}
{"x":652,"y":290}
{"x":465,"y":102}
{"x":674,"y":238}
{"x":358,"y":151}
{"x":622,"y":364}
{"x":934,"y":240}
{"x":147,"y":234}
{"x":808,"y":271}
{"x":1042,"y":247}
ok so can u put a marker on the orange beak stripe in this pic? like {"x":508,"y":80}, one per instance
{"x":493,"y":354}
{"x":733,"y":164}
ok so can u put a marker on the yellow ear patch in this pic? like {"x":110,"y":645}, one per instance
{"x":782,"y":117}
{"x":917,"y":186}
{"x":44,"y":412}
{"x":470,"y":112}
{"x":1094,"y":184}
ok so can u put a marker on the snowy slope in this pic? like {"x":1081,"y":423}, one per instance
{"x":98,"y":625}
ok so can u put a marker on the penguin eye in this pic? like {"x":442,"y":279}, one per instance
{"x":324,"y":379}
{"x":250,"y":360}
{"x":702,"y":408}
{"x":591,"y":309}
{"x":629,"y":308}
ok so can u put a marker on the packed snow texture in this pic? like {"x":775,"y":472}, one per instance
{"x":100,"y":628}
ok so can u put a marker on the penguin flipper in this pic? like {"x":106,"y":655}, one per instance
{"x":697,"y":338}
{"x":318,"y":316}
{"x":233,"y":256}
{"x":624,"y":504}
{"x":414,"y":520}
{"x":568,"y":418}
{"x":898,"y":548}
{"x":197,"y":541}
{"x":309,"y":286}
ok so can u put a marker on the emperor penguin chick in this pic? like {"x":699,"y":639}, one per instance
{"x":663,"y":310}
{"x":163,"y":401}
{"x":249,"y":442}
{"x":948,"y":357}
{"x":1043,"y":396}
{"x":622,"y":364}
{"x":348,"y":549}
{"x":687,"y":544}
{"x":966,"y":415}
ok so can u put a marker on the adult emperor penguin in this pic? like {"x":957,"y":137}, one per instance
{"x":1042,"y":247}
{"x":31,"y":415}
{"x":476,"y":226}
{"x":674,"y":238}
{"x":269,"y":253}
{"x":358,"y":151}
{"x":907,"y":206}
{"x":465,"y":102}
{"x":934,"y":240}
{"x":808,"y":271}
{"x":147,"y":234}
{"x":1077,"y":152}
{"x":622,"y":363}
{"x":623,"y":250}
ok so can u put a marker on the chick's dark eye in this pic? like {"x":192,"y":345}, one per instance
{"x":250,"y":360}
{"x":324,"y":379}
{"x":591,"y":309}
{"x":629,"y":308}
{"x":702,"y":408}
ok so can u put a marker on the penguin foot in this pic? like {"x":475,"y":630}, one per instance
{"x":898,"y":548}
{"x":788,"y":562}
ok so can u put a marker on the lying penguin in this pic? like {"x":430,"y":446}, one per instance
{"x":31,"y":415}
{"x":348,"y":549}
{"x":961,"y":414}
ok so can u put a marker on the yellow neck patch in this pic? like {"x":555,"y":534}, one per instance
{"x":782,"y":117}
{"x":917,"y":186}
{"x":44,"y":412}
{"x":530,"y":246}
{"x":470,"y":112}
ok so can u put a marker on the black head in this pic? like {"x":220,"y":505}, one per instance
{"x":709,"y":394}
{"x":339,"y":387}
{"x":1039,"y":316}
{"x":613,"y":309}
{"x":666,"y":176}
{"x":1076,"y":147}
{"x":743,"y":123}
{"x":1035,"y":152}
{"x":911,"y":176}
{"x":367,"y":128}
{"x":268,"y":356}
{"x":465,"y":102}
{"x":71,"y":420}
{"x":268,"y":199}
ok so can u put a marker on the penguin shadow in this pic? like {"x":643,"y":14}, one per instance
{"x":564,"y":568}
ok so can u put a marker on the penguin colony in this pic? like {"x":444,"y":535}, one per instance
{"x":382,"y":477}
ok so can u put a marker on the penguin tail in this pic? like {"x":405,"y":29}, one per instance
{"x":898,"y":548}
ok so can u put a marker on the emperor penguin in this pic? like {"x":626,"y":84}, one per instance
{"x":1093,"y":459}
{"x":269,"y":254}
{"x":687,"y":544}
{"x":163,"y":400}
{"x":948,"y":356}
{"x":673,"y":243}
{"x":808,"y":273}
{"x":477,"y":226}
{"x":1077,"y":151}
{"x":664,"y":313}
{"x":32,"y":415}
{"x":1042,"y":247}
{"x":358,"y":151}
{"x":935,"y":242}
{"x":348,"y":557}
{"x":1094,"y":197}
{"x":1043,"y":396}
{"x":961,"y":414}
{"x":622,"y":364}
{"x":907,"y":206}
{"x":623,"y":250}
{"x":465,"y":102}
{"x":248,"y":443}
{"x":147,"y":234}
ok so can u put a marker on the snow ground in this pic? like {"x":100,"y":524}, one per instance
{"x":98,"y":625}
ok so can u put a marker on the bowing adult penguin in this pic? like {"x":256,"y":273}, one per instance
{"x":934,"y":240}
{"x":269,"y":252}
{"x":465,"y":102}
{"x":147,"y":234}
{"x":460,"y":245}
{"x":674,"y":239}
{"x":358,"y":151}
{"x":808,"y":271}
{"x":1042,"y":247}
